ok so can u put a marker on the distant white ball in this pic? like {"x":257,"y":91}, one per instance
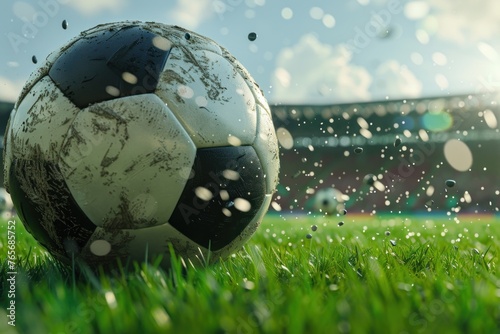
{"x":329,"y":201}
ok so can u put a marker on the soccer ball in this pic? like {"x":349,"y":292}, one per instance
{"x":329,"y":201}
{"x":137,"y":137}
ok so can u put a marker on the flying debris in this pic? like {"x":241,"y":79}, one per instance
{"x":450,"y":183}
{"x":252,"y":36}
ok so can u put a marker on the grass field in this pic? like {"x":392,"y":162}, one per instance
{"x":384,"y":274}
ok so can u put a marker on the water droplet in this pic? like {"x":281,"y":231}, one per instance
{"x":100,"y":247}
{"x":358,"y":150}
{"x":428,"y":204}
{"x":379,"y":186}
{"x":161,"y":43}
{"x":252,"y":36}
{"x":64,"y":24}
{"x":113,"y":91}
{"x":187,"y":36}
{"x":227,"y":212}
{"x":397,"y":142}
{"x":249,"y":285}
{"x":34,"y":60}
{"x":276,"y":206}
{"x":393,"y":242}
{"x":129,"y":78}
{"x":314,"y":228}
{"x":490,"y":119}
{"x":231,"y":175}
{"x":340,"y":223}
{"x":242,"y":204}
{"x":309,"y":236}
{"x":233,"y":140}
{"x":458,"y":154}
{"x":344,"y":212}
{"x":285,"y":138}
{"x":387,"y":233}
{"x":450,"y":183}
{"x":203,"y":193}
{"x":370,"y":179}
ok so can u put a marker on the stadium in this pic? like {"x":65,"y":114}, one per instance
{"x":325,"y":137}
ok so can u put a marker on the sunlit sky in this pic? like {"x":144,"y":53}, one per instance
{"x":306,"y":52}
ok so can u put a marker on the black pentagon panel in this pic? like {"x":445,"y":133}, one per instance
{"x":223,"y":195}
{"x":110,"y":63}
{"x":46,"y":207}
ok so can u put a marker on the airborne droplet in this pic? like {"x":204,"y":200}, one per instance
{"x":458,"y":154}
{"x":397,"y":142}
{"x":242,"y":204}
{"x":231,"y":175}
{"x":64,"y":24}
{"x":203,"y":193}
{"x":187,"y":36}
{"x":285,"y":138}
{"x":309,"y":236}
{"x":358,"y":150}
{"x":393,"y":242}
{"x":252,"y":36}
{"x":100,"y":247}
{"x":340,"y":223}
{"x":34,"y":60}
{"x":450,"y":183}
{"x":314,"y":228}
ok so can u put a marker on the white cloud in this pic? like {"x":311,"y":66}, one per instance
{"x":395,"y":81}
{"x":9,"y":90}
{"x":312,"y":72}
{"x":190,"y":14}
{"x":463,"y":21}
{"x":92,"y":7}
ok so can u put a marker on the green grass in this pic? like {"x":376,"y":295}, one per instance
{"x":440,"y":277}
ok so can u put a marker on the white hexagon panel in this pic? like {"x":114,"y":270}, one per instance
{"x":209,"y":97}
{"x":125,"y":160}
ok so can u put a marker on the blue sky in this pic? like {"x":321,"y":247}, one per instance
{"x":305,"y":51}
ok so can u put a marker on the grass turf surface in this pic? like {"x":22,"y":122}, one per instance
{"x":384,"y":274}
